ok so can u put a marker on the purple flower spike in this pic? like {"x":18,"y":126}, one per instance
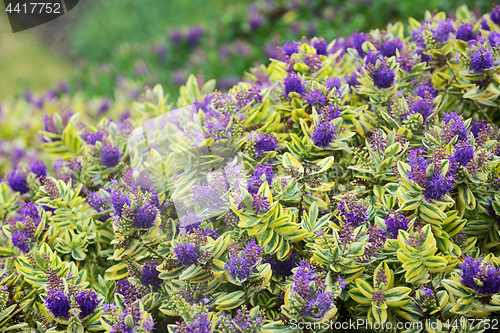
{"x":383,"y":78}
{"x":110,"y":156}
{"x":39,"y":168}
{"x":187,"y":254}
{"x":293,"y":83}
{"x":17,"y":182}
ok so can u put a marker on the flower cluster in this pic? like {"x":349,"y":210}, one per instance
{"x":482,"y":277}
{"x":243,"y":261}
{"x":306,"y":301}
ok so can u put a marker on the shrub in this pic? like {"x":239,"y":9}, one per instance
{"x":356,"y":183}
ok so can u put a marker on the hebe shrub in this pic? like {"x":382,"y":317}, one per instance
{"x":356,"y":179}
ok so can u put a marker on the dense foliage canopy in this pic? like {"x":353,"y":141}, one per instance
{"x":356,"y":179}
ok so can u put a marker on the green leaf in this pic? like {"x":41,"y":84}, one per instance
{"x":230,"y":301}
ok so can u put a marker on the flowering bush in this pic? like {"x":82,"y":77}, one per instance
{"x":351,"y":180}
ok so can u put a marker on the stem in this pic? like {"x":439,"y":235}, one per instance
{"x":483,"y":113}
{"x":300,"y":204}
{"x":436,"y":299}
{"x":245,"y":289}
{"x":150,"y":249}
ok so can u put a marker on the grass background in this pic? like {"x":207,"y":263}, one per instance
{"x":25,"y":63}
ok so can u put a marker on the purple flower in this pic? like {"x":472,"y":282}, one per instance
{"x":92,"y":137}
{"x":424,"y":57}
{"x":396,"y":222}
{"x":20,"y":240}
{"x":464,"y":153}
{"x":260,"y":204}
{"x":255,"y":181}
{"x":58,"y":304}
{"x":494,"y":38}
{"x":104,"y":106}
{"x":426,"y":89}
{"x":323,"y":134}
{"x":87,"y":301}
{"x":99,"y":204}
{"x":50,"y":125}
{"x":372,"y":57}
{"x":352,"y":79}
{"x":329,"y":113}
{"x":389,"y":48}
{"x":418,"y":166}
{"x":447,"y":117}
{"x":238,"y":268}
{"x":145,"y":216}
{"x":109,"y":307}
{"x":381,"y":277}
{"x":357,"y":40}
{"x":50,"y":187}
{"x":176,"y":37}
{"x":121,"y":327}
{"x":194,"y":35}
{"x":333,"y":82}
{"x":241,"y":265}
{"x":200,"y":324}
{"x":118,"y":200}
{"x":427,"y":292}
{"x":39,"y":168}
{"x":207,"y":198}
{"x":17,"y":182}
{"x":293,"y":83}
{"x":190,"y":219}
{"x":376,"y":241}
{"x":495,"y":14}
{"x":378,"y":142}
{"x":417,"y":36}
{"x":302,"y":279}
{"x":477,"y":126}
{"x":251,"y":95}
{"x":481,"y":59}
{"x":443,"y":30}
{"x":470,"y":269}
{"x":255,"y":21}
{"x":353,"y":213}
{"x":203,"y":104}
{"x":383,"y":78}
{"x":485,"y":273}
{"x":148,"y":324}
{"x":465,"y":32}
{"x":187,"y":254}
{"x":110,"y":156}
{"x":315,"y":98}
{"x":438,"y":186}
{"x":317,"y":302}
{"x":265,"y":143}
{"x":321,"y":46}
{"x":290,"y":48}
{"x":485,"y":26}
{"x":378,"y":297}
{"x":150,"y":276}
{"x":319,"y":305}
{"x":30,"y":210}
{"x":127,"y":290}
{"x":424,"y":107}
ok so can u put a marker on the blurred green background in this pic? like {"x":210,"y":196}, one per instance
{"x":102,"y":46}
